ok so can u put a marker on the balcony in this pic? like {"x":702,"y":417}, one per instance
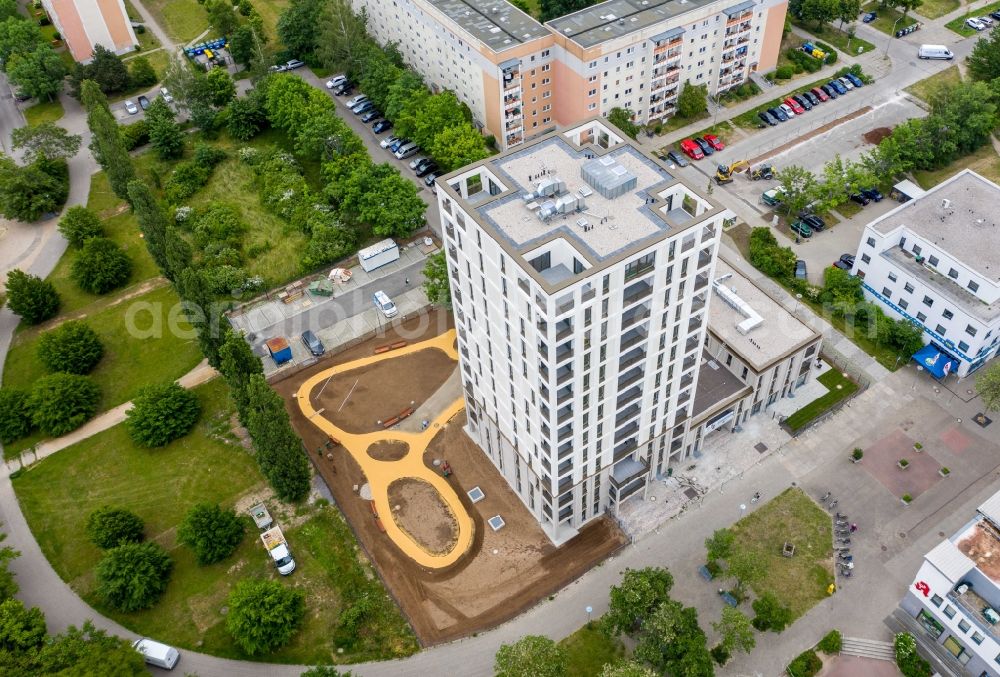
{"x":626,"y":471}
{"x":633,"y":337}
{"x":564,"y":450}
{"x":630,"y":377}
{"x":695,"y":324}
{"x":687,"y":380}
{"x":588,"y":293}
{"x":628,"y":396}
{"x":634,"y":357}
{"x":689,"y":362}
{"x":625,"y":447}
{"x":691,"y":344}
{"x":565,"y":432}
{"x":700,"y":282}
{"x":564,"y":414}
{"x":627,"y":415}
{"x":448,"y":228}
{"x":452,"y":253}
{"x":634,"y":316}
{"x":564,"y":329}
{"x":697,"y":303}
{"x":543,"y":372}
{"x":564,"y":374}
{"x":564,"y":467}
{"x":636,"y":292}
{"x":565,"y":484}
{"x":564,"y":394}
{"x":564,"y":352}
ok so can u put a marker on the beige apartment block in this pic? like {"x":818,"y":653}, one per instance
{"x":521,"y":78}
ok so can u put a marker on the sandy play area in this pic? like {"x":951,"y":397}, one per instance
{"x":419,"y":511}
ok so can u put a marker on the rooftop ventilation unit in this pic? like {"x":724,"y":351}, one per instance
{"x":550,"y":186}
{"x":752,"y":321}
{"x":608,"y":177}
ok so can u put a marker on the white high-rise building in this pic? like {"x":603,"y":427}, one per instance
{"x":581,"y":273}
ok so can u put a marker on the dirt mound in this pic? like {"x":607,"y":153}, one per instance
{"x":388,"y":450}
{"x":876,"y":135}
{"x":423,"y":515}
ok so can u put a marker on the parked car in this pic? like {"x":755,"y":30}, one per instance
{"x":677,"y":158}
{"x":426,"y":169}
{"x":406,"y":150}
{"x":381,"y":126}
{"x":432,"y":177}
{"x":996,"y":15}
{"x":371,"y":115}
{"x":872,"y":194}
{"x":354,"y":101}
{"x":363,"y":108}
{"x":846,"y":84}
{"x":855,"y":80}
{"x":801,"y":228}
{"x":838,"y":86}
{"x":869,"y":17}
{"x":691,"y":149}
{"x":335,"y":81}
{"x":397,"y":144}
{"x":860,"y":199}
{"x":813,"y":221}
{"x":848,"y":259}
{"x":343,"y":89}
{"x":820,"y":94}
{"x":843,"y":265}
{"x":714,"y":141}
{"x":419,"y":160}
{"x":156,"y":653}
{"x":772,"y":197}
{"x":388,"y":141}
{"x":312,"y":343}
{"x":985,"y":20}
{"x":130,"y":107}
{"x":293,"y":64}
{"x":166,"y":95}
{"x":803,"y":101}
{"x":800,"y":269}
{"x":767,"y":118}
{"x":796,"y":107}
{"x":813,"y":99}
{"x":705,"y":146}
{"x":974,"y":23}
{"x":830,"y":90}
{"x":778,"y":114}
{"x":143,"y":102}
{"x":788,"y":110}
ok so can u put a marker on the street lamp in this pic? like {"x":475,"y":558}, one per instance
{"x":892,"y":34}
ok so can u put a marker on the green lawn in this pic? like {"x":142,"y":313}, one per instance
{"x":848,"y":209}
{"x":958,"y":24}
{"x":887,"y":18}
{"x":925,"y":89}
{"x":932,"y":9}
{"x":270,"y":11}
{"x":589,"y":650}
{"x":835,"y":37}
{"x":129,"y":362}
{"x":676,"y":122}
{"x":984,"y":161}
{"x":838,"y":388}
{"x":799,"y":581}
{"x":160,"y":485}
{"x":46,"y":111}
{"x":182,"y":20}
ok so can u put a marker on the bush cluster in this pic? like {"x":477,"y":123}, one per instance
{"x":108,"y":527}
{"x":188,"y":177}
{"x":831,"y":642}
{"x":80,"y":224}
{"x":101,"y":266}
{"x":784,"y":72}
{"x":61,"y":403}
{"x":909,"y":662}
{"x":135,"y":134}
{"x":15,"y":415}
{"x":161,"y":413}
{"x":213,"y":533}
{"x":806,"y":664}
{"x":803,"y":61}
{"x":72,"y":347}
{"x":263,"y":615}
{"x":133,"y":576}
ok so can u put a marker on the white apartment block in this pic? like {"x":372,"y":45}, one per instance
{"x":580,"y":273}
{"x":521,"y":79}
{"x":955,"y":596}
{"x":935,"y":260}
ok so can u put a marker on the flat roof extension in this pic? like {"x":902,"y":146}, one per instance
{"x":496,"y":23}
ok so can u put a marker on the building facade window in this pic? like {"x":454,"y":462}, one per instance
{"x":870,"y":242}
{"x":933,"y":260}
{"x":970,"y":330}
{"x":928,"y":301}
{"x":908,"y":288}
{"x":973,"y":286}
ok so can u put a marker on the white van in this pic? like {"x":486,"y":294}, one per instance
{"x":155,"y":653}
{"x":406,"y":150}
{"x":935,"y":52}
{"x":384,"y":304}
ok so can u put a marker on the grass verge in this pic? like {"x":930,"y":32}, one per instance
{"x":838,"y":387}
{"x":889,"y":18}
{"x":182,"y":20}
{"x":589,"y":650}
{"x":749,"y":119}
{"x":984,"y":161}
{"x":160,"y":485}
{"x":674,"y":123}
{"x":926,"y":88}
{"x":933,"y":9}
{"x":800,"y":581}
{"x":46,"y":111}
{"x":958,"y":24}
{"x":835,"y":37}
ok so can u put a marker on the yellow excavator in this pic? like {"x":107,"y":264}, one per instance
{"x":724,"y":173}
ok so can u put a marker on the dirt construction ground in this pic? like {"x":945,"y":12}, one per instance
{"x":505,"y":572}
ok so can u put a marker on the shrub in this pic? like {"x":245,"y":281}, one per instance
{"x":208,"y":156}
{"x":770,"y":614}
{"x":160,"y":414}
{"x":72,"y":347}
{"x":185,"y":181}
{"x":213,"y":533}
{"x":719,"y":654}
{"x":219,"y":226}
{"x":109,"y":527}
{"x":132,"y":576}
{"x":32,"y":298}
{"x":15,"y":415}
{"x":135,"y":134}
{"x":141,"y":73}
{"x":831,"y":53}
{"x":101,"y":266}
{"x":831,"y":643}
{"x":907,"y":498}
{"x":806,"y":664}
{"x":79,"y":224}
{"x":60,"y":403}
{"x":784,"y":72}
{"x":857,"y":454}
{"x":263,"y":615}
{"x":909,"y":662}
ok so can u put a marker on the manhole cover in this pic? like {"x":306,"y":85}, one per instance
{"x":941,"y":534}
{"x":690,"y":493}
{"x":902,"y":534}
{"x":884,"y":548}
{"x":760,"y":447}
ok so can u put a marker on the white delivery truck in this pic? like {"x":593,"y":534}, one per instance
{"x":935,"y":52}
{"x":277,"y":548}
{"x":155,"y":653}
{"x":378,"y":255}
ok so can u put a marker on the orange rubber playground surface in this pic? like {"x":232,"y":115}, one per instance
{"x":380,"y":474}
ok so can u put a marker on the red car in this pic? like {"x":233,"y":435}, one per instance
{"x":820,"y":94}
{"x":691,"y":149}
{"x":795,"y":106}
{"x":714,"y":141}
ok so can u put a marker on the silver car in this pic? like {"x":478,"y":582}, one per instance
{"x":130,"y":107}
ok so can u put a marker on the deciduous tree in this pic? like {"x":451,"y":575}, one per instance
{"x":436,"y":283}
{"x":219,"y":85}
{"x":213,"y":533}
{"x":109,"y":527}
{"x":101,"y":265}
{"x":672,"y":640}
{"x":22,"y":630}
{"x":692,"y":101}
{"x":627,"y":668}
{"x":38,"y":73}
{"x":735,"y":631}
{"x":165,"y":134}
{"x":88,"y":651}
{"x":28,"y":192}
{"x":771,"y":614}
{"x":720,"y":545}
{"x":263,"y":615}
{"x":161,"y":414}
{"x":133,"y":576}
{"x":279,"y":450}
{"x":532,"y":655}
{"x":984,"y":60}
{"x":222,"y":16}
{"x":61,"y":403}
{"x":798,"y":187}
{"x":152,"y":223}
{"x":342,"y":38}
{"x":106,"y":69}
{"x":17,"y":36}
{"x":458,"y":146}
{"x":72,"y":347}
{"x":622,"y":119}
{"x":988,"y":386}
{"x":45,"y":141}
{"x":107,"y":145}
{"x":237,"y":366}
{"x":32,"y":298}
{"x":635,"y":598}
{"x":245,"y":117}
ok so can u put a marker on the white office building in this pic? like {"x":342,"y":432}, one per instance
{"x":580,"y":273}
{"x":955,"y":596}
{"x":935,"y":260}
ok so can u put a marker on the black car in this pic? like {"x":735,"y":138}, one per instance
{"x":872,"y":194}
{"x":869,"y":17}
{"x":421,"y":163}
{"x":814,"y":222}
{"x":343,"y":89}
{"x":779,"y":114}
{"x":830,"y":91}
{"x":813,"y":99}
{"x":848,"y":259}
{"x":705,"y":146}
{"x":432,"y":177}
{"x":767,"y":118}
{"x":143,"y":102}
{"x":312,"y":342}
{"x":381,"y":126}
{"x":996,"y":15}
{"x":860,"y":198}
{"x":425,"y":169}
{"x":803,"y":101}
{"x":371,"y":115}
{"x":677,"y":158}
{"x":843,"y":265}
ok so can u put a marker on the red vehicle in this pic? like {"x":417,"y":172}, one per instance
{"x":820,"y":94}
{"x":795,"y":106}
{"x":714,"y":141}
{"x":691,"y":149}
